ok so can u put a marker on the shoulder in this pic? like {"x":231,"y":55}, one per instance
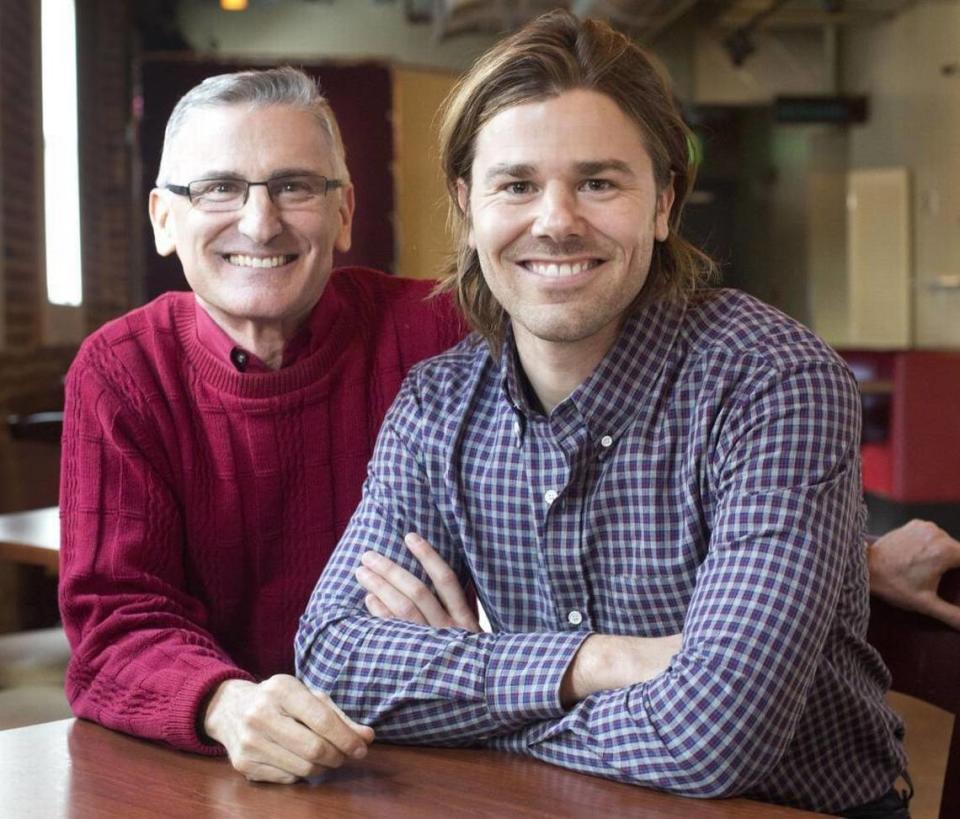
{"x":364,"y":287}
{"x":750,"y":361}
{"x":404,"y":312}
{"x":729,"y":327}
{"x":138,"y":341}
{"x":444,"y":384}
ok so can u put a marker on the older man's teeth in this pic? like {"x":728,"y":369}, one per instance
{"x":257,"y":261}
{"x":559,"y":271}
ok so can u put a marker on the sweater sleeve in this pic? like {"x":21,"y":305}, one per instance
{"x":143,"y":660}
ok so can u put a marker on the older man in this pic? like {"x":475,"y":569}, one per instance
{"x":626,"y":457}
{"x":215,"y":442}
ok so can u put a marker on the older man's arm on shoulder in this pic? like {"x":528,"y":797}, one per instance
{"x":907,"y":564}
{"x":143,"y":659}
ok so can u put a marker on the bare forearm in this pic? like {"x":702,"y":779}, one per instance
{"x":606,"y":662}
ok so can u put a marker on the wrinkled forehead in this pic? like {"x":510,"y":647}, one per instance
{"x":249,"y":140}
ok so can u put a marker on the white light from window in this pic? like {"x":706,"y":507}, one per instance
{"x":61,"y":188}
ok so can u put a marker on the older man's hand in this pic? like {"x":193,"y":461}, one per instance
{"x":906,"y":565}
{"x":281,"y":731}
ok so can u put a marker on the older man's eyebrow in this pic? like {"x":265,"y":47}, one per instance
{"x":279,"y":172}
{"x":596,"y":167}
{"x":517,"y":170}
{"x":218,"y":174}
{"x":295,"y":172}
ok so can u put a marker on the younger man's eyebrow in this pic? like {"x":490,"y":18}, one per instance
{"x":516,"y":169}
{"x":599,"y":166}
{"x":590,"y":167}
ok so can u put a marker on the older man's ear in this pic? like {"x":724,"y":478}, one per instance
{"x":163,"y":233}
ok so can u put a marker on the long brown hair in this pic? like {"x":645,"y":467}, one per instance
{"x":553,"y":54}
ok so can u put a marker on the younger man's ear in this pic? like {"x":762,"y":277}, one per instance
{"x":163,"y":233}
{"x":664,"y":206}
{"x":463,"y":202}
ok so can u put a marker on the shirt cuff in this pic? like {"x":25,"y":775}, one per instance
{"x":524,"y":673}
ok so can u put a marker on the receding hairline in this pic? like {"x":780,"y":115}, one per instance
{"x":259,"y":88}
{"x":171,"y":145}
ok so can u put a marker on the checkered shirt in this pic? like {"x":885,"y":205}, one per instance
{"x":704,"y":478}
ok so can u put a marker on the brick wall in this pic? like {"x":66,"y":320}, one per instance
{"x":31,"y":371}
{"x":111,"y":219}
{"x":20,"y":174}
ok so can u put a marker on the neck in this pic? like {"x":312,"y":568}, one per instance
{"x":265,"y":339}
{"x":556,"y":368}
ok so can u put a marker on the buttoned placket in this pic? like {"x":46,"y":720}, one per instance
{"x":555,"y":452}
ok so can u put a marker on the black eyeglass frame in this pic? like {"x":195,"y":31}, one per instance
{"x":184,"y":190}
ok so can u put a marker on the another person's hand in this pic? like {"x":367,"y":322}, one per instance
{"x":906,"y":565}
{"x":394,"y":593}
{"x":281,"y":731}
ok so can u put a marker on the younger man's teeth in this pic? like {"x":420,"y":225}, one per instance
{"x":559,"y":270}
{"x":256,"y":261}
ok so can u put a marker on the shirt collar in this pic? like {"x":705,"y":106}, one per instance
{"x":215,"y":339}
{"x":619,"y":388}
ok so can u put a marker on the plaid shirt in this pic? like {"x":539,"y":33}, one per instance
{"x":705,"y":478}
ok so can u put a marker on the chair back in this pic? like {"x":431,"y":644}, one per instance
{"x":923,"y":655}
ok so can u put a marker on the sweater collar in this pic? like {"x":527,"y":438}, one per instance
{"x":311,"y":355}
{"x":212,"y":336}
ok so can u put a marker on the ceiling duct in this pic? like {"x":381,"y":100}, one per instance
{"x":644,"y":19}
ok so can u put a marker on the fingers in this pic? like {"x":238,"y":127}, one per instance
{"x":946,"y":612}
{"x":280,"y":731}
{"x":405,"y":596}
{"x":907,"y":564}
{"x":376,"y":608}
{"x":398,"y":594}
{"x":445,"y":581}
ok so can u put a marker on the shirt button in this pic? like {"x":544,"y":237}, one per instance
{"x":606,"y":442}
{"x":550,"y":496}
{"x":574,"y":618}
{"x":239,"y":358}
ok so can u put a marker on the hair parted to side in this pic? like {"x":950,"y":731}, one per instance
{"x":274,"y":86}
{"x":553,"y":54}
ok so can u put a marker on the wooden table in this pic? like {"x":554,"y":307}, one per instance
{"x":31,"y":537}
{"x":78,"y":769}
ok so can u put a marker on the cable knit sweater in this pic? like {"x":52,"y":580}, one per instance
{"x":199,"y":504}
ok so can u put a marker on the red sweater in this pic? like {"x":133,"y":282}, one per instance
{"x":199,"y":504}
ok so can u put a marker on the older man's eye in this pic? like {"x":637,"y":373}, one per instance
{"x":297,"y":189}
{"x":219,"y":188}
{"x":296,"y":186}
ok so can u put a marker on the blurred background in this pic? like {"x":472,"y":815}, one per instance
{"x":829,"y":186}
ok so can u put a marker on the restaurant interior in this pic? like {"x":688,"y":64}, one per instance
{"x":828,"y":186}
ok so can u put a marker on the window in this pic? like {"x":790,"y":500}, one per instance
{"x":60,"y":152}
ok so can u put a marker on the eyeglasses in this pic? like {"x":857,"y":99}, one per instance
{"x":286,"y":192}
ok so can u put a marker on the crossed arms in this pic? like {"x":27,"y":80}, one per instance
{"x":535,"y":692}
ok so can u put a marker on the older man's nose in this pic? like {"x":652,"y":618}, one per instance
{"x":260,"y":217}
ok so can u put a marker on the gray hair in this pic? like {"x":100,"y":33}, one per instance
{"x":275,"y":86}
